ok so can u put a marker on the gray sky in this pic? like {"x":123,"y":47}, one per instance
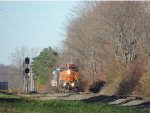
{"x":31,"y":24}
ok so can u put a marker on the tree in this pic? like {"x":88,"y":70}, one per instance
{"x":43,"y":64}
{"x":103,"y":32}
{"x":19,"y":54}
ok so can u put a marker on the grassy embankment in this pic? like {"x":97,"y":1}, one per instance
{"x":15,"y":104}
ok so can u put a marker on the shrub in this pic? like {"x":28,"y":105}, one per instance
{"x":96,"y":86}
{"x":113,"y":78}
{"x":123,"y":79}
{"x":143,"y":86}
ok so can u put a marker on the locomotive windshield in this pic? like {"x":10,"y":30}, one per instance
{"x":63,"y":68}
{"x":70,"y":67}
{"x":73,"y":68}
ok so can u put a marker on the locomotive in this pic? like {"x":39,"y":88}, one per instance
{"x":65,"y":77}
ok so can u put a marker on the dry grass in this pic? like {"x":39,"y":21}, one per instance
{"x":143,"y":86}
{"x":14,"y":104}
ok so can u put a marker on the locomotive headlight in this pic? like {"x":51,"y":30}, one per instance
{"x":68,"y":72}
{"x":64,"y":84}
{"x":72,"y":84}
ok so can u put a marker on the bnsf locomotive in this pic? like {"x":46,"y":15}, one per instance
{"x":65,"y":77}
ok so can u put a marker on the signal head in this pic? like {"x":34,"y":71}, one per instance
{"x":27,"y":60}
{"x":27,"y":70}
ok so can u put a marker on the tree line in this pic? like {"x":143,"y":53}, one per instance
{"x":110,"y":40}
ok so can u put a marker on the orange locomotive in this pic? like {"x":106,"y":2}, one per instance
{"x":65,"y":77}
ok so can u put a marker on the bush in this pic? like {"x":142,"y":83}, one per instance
{"x":123,"y":79}
{"x":143,"y":86}
{"x":96,"y":86}
{"x":132,"y":76}
{"x":83,"y":82}
{"x":113,"y":78}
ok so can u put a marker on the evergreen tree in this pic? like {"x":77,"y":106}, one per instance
{"x":43,"y":64}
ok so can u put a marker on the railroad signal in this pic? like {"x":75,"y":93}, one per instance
{"x":27,"y":70}
{"x":27,"y":60}
{"x":28,"y":78}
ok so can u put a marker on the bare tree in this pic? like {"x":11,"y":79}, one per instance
{"x":101,"y":32}
{"x":19,"y":54}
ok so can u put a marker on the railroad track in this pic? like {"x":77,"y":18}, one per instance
{"x":118,"y":100}
{"x":121,"y":100}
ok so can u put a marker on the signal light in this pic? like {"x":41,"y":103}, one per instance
{"x":68,"y":72}
{"x":27,"y":60}
{"x":27,"y":70}
{"x":72,"y":84}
